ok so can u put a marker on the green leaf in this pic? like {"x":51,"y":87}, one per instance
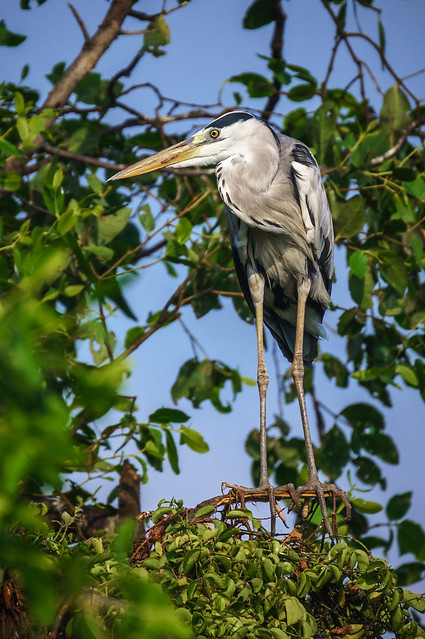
{"x":352,"y":218}
{"x":324,"y":129}
{"x":358,"y":263}
{"x":172,"y":454}
{"x":368,"y":472}
{"x":203,"y":380}
{"x":22,"y":126}
{"x":19,"y":103}
{"x":302,"y":73}
{"x":95,"y":184}
{"x":239,"y":513}
{"x":362,"y":415}
{"x":109,"y":226}
{"x":410,"y":573}
{"x":414,"y":600}
{"x":410,"y":538}
{"x":295,"y":611}
{"x":10,"y":149}
{"x":56,"y":72}
{"x":10,"y":181}
{"x":193,"y":439}
{"x":147,"y":220}
{"x":57,"y":179}
{"x":24,"y":72}
{"x":408,"y":374}
{"x":361,"y":288}
{"x":368,"y":507}
{"x":383,"y":446}
{"x":395,"y":108}
{"x":183,"y":230}
{"x":404,"y":174}
{"x":257,"y":85}
{"x":398,"y":505}
{"x":168,"y":415}
{"x":8,"y":38}
{"x":258,"y":14}
{"x":301,"y":92}
{"x":334,"y":452}
{"x":73,"y":289}
{"x":276,"y":633}
{"x":67,"y":220}
{"x":204,"y":511}
{"x":160,"y":512}
{"x":334,"y":368}
{"x":133,"y":334}
{"x":157,"y":33}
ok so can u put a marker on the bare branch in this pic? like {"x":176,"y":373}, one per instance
{"x":80,"y":22}
{"x":148,"y":17}
{"x":279,"y":17}
{"x":89,"y":55}
{"x":397,"y":146}
{"x":85,"y":159}
{"x":126,"y":71}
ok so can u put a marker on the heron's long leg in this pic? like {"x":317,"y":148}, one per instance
{"x":256,"y":287}
{"x":298,"y":376}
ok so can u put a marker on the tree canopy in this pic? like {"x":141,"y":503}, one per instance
{"x":74,"y":245}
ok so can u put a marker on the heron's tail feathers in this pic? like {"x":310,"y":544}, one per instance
{"x":284,"y":333}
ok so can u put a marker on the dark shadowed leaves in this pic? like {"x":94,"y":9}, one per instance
{"x":411,"y":538}
{"x":204,"y":380}
{"x":334,"y":453}
{"x":363,"y":416}
{"x":168,"y":415}
{"x":259,"y":13}
{"x":335,"y":369}
{"x":8,"y":38}
{"x":368,"y":472}
{"x":398,"y":505}
{"x":257,"y":85}
{"x":351,"y":218}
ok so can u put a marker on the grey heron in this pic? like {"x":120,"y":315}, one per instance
{"x":281,"y":235}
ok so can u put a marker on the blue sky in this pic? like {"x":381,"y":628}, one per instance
{"x":207,"y":46}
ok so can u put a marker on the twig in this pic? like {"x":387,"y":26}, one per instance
{"x":397,"y":146}
{"x":279,"y":17}
{"x":85,"y":159}
{"x":124,"y":72}
{"x":141,"y":15}
{"x":80,"y":22}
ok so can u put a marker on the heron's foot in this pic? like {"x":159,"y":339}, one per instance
{"x":315,"y":488}
{"x":265,"y":492}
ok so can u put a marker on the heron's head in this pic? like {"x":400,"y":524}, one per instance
{"x":236,"y":133}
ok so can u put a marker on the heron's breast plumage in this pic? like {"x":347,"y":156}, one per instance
{"x":276,"y":233}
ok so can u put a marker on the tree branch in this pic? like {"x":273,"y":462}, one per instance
{"x":89,"y":55}
{"x":397,"y":146}
{"x":80,"y":22}
{"x":279,"y":17}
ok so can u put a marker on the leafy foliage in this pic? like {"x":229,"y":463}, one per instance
{"x":72,"y":244}
{"x":233,"y":581}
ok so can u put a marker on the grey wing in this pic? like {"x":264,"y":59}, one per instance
{"x":315,"y":209}
{"x":282,"y":330}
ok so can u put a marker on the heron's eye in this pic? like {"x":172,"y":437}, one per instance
{"x":214,"y":133}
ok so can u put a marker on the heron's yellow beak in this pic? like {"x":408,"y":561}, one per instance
{"x":180,"y":152}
